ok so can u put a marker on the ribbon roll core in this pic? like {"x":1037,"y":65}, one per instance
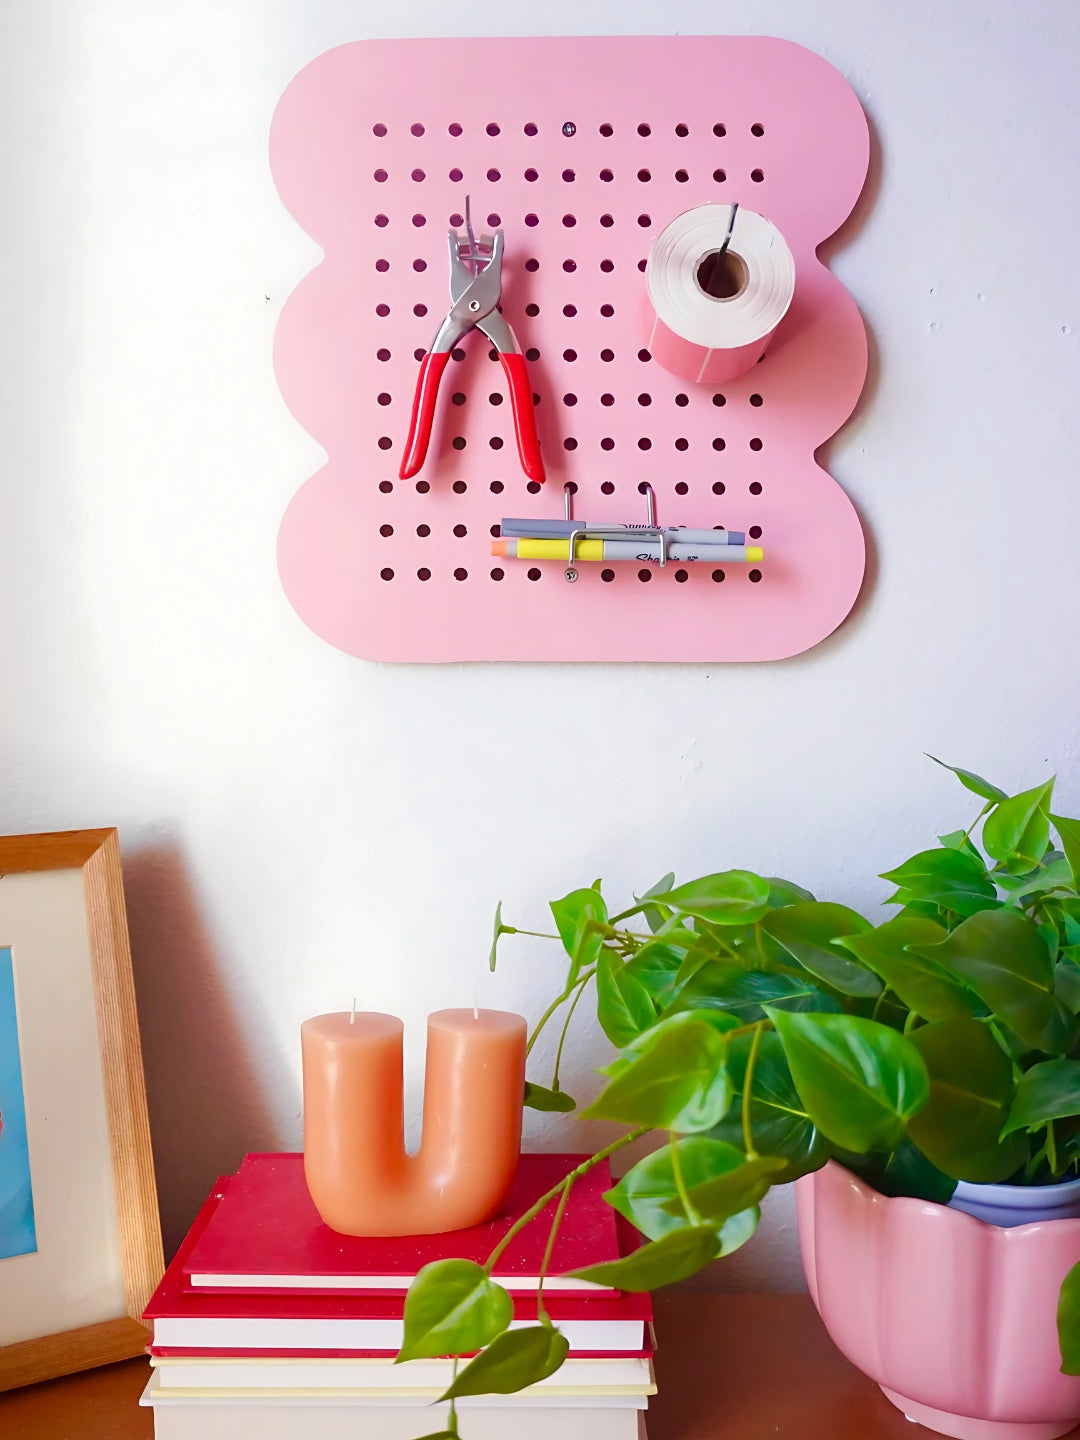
{"x":712,"y":311}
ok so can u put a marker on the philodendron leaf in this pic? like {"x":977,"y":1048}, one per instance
{"x":1069,"y":832}
{"x":723,"y":985}
{"x":1000,"y":955}
{"x":860,"y":1081}
{"x":971,"y":1089}
{"x":1067,"y":982}
{"x":732,"y":897}
{"x":656,"y":966}
{"x":1068,"y":1322}
{"x":959,"y":840}
{"x":808,"y":930}
{"x":539,"y":1097}
{"x":676,"y":1256}
{"x":924,"y":986}
{"x":677,"y":1080}
{"x":514,"y":1359}
{"x":717,"y":1199}
{"x":499,"y":930}
{"x":646,"y":1192}
{"x":576,"y":915}
{"x":453,"y":1308}
{"x":623,"y":1005}
{"x":779,"y":1120}
{"x":1048,"y":1091}
{"x":970,"y":781}
{"x":952,"y":878}
{"x":941,"y":869}
{"x":1017,"y":832}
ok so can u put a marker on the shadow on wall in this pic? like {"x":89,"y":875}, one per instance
{"x":205,"y":1101}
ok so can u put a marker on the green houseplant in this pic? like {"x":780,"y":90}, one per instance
{"x":764,"y":1032}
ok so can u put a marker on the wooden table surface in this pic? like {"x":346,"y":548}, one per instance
{"x":729,"y":1367}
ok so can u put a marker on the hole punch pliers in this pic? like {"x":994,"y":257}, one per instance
{"x":475,"y":288}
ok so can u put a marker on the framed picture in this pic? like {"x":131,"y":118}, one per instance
{"x":80,"y":1240}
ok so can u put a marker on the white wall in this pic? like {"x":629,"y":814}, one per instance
{"x":298,"y":826}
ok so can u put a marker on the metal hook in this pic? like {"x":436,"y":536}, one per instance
{"x":568,"y":500}
{"x":650,"y":519}
{"x":730,"y":229}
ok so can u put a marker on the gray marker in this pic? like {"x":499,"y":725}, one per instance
{"x":562,"y":529}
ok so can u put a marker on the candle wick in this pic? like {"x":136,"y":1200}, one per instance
{"x":352,"y":1017}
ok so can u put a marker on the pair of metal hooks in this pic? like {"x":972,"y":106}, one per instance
{"x":650,"y":530}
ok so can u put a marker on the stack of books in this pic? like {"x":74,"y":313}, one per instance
{"x":268,"y":1324}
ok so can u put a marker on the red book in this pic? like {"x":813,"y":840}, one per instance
{"x":186,"y":1320}
{"x":267,"y":1235}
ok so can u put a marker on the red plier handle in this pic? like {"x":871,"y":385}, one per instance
{"x":521,"y":404}
{"x":423,"y":412}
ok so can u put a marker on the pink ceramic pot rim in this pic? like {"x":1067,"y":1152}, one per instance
{"x":956,"y":1217}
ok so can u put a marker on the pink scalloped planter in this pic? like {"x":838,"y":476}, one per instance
{"x":955,"y":1319}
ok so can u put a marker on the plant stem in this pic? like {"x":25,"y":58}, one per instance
{"x":748,"y":1080}
{"x":567,"y":1186}
{"x":539,"y":934}
{"x":550,"y":1011}
{"x":546,"y":1200}
{"x":566,"y":1026}
{"x":878,"y":1002}
{"x":1051,"y":1148}
{"x":680,"y":1184}
{"x":909,"y":1023}
{"x":451,"y":1419}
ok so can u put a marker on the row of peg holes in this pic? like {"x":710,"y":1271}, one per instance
{"x":493,"y":176}
{"x":496,"y":487}
{"x":534,"y":573}
{"x":568,"y":129}
{"x":460,"y":531}
{"x":570,"y":443}
{"x":531,"y":220}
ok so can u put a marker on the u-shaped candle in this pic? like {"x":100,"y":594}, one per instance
{"x":360,"y":1177}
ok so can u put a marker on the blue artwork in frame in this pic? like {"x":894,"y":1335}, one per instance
{"x":17,"y":1235}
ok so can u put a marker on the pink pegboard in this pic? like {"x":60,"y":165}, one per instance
{"x":582,"y":149}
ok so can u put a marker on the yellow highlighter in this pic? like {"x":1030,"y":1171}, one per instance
{"x":628,"y":549}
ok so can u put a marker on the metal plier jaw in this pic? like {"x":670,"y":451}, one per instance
{"x":474,"y":304}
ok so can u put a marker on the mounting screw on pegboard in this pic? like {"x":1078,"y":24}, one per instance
{"x":569,"y":128}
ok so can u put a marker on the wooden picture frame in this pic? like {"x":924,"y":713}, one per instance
{"x":54,"y":1008}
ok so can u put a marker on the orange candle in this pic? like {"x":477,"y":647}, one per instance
{"x":360,"y":1177}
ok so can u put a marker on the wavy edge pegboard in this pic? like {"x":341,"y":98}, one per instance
{"x":373,"y":148}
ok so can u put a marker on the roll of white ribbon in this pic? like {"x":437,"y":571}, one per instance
{"x":712,"y":314}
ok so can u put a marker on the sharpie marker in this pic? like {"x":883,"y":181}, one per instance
{"x":642,"y":550}
{"x":550,"y":529}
